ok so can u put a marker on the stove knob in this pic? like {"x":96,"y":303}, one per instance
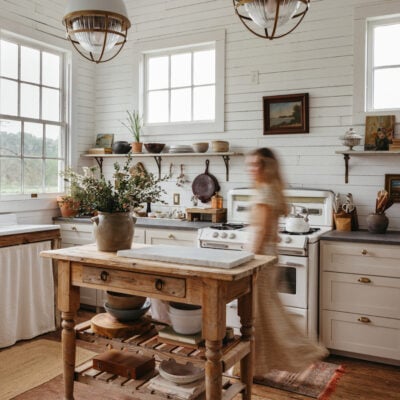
{"x":232,"y":236}
{"x":215,"y":234}
{"x":287,"y":239}
{"x":224,"y":235}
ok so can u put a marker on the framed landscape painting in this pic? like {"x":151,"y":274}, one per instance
{"x":286,"y":114}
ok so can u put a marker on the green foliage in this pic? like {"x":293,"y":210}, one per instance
{"x":128,"y":191}
{"x":134,"y":124}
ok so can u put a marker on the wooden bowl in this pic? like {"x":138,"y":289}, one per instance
{"x":154,"y":147}
{"x":220,"y":146}
{"x":122,"y":301}
{"x":200,"y":147}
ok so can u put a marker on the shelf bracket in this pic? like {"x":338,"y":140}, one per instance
{"x":346,"y":167}
{"x":226,"y":161}
{"x":158,"y":160}
{"x":99,"y":161}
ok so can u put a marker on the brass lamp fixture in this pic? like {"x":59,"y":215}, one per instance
{"x":271,"y":19}
{"x":97,"y":28}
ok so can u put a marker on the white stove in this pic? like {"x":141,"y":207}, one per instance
{"x":298,"y":252}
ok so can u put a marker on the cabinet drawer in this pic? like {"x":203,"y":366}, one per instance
{"x":360,"y":258}
{"x":380,"y":337}
{"x":371,"y":295}
{"x":76,"y":234}
{"x":172,"y":237}
{"x":71,"y":227}
{"x":147,"y":284}
{"x":139,"y":235}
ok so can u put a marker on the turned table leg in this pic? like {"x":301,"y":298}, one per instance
{"x":213,"y":369}
{"x":68,"y":353}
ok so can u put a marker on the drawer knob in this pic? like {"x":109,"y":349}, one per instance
{"x":364,"y":252}
{"x":159,"y":284}
{"x":364,"y":320}
{"x":104,"y":276}
{"x":74,"y":228}
{"x":171,"y":236}
{"x":364,"y":280}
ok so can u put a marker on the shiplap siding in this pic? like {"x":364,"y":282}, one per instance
{"x":41,"y":20}
{"x":317,"y":58}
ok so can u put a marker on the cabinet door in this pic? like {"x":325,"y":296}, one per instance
{"x":362,"y":334}
{"x":372,"y":295}
{"x":170,"y":236}
{"x":76,"y":234}
{"x":139,"y":235}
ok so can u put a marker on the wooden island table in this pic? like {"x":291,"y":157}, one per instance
{"x":212,"y":288}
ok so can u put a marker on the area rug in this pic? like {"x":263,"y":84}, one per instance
{"x":26,"y":366}
{"x":317,"y":381}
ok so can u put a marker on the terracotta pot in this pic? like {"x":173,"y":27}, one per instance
{"x":377,"y":223}
{"x":113,"y":231}
{"x":68,"y":206}
{"x":136,"y":147}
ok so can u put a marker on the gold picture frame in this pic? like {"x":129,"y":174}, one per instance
{"x":392,"y":185}
{"x":379,"y":132}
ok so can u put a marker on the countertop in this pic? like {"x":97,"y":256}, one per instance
{"x":20,"y":228}
{"x":163,"y":223}
{"x":390,"y":237}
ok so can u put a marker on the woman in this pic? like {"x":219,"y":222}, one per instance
{"x":279,"y":343}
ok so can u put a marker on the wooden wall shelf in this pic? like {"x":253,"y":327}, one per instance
{"x":159,"y":156}
{"x":353,"y":153}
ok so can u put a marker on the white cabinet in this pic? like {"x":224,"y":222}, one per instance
{"x":172,"y":237}
{"x":360,"y":298}
{"x":79,"y":233}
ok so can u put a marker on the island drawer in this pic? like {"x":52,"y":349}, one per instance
{"x":141,"y":283}
{"x":361,"y":258}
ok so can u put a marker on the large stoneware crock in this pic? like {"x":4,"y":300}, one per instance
{"x":113,"y":231}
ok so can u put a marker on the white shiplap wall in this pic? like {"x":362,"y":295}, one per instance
{"x":317,"y":58}
{"x":41,"y":20}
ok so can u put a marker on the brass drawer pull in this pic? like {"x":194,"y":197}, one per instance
{"x":159,"y":284}
{"x":104,"y":276}
{"x":171,"y":236}
{"x":364,"y":280}
{"x":364,"y":252}
{"x":364,"y":320}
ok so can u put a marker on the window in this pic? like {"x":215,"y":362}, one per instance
{"x":182,"y":84}
{"x":32,"y":118}
{"x":383,"y":64}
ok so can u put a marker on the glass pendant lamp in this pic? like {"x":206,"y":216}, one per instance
{"x":97,"y":28}
{"x":271,"y":19}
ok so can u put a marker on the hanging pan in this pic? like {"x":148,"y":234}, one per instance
{"x":205,"y":185}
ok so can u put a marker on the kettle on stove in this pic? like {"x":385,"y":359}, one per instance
{"x":296,"y":222}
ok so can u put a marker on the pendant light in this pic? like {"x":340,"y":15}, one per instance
{"x":97,"y":28}
{"x":271,"y":19}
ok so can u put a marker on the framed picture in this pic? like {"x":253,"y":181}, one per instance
{"x":104,"y":139}
{"x":286,"y":114}
{"x":379,"y":132}
{"x":392,"y":185}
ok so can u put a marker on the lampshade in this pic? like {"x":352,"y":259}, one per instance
{"x":97,"y":28}
{"x":271,"y":19}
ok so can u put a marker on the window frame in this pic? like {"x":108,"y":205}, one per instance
{"x":372,"y":23}
{"x":63,"y":112}
{"x":178,"y":44}
{"x":362,"y":15}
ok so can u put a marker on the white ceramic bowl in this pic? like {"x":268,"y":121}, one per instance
{"x":185,"y":322}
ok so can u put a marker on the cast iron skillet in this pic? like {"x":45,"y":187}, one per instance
{"x":205,"y":185}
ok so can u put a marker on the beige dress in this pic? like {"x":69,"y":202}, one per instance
{"x":279,"y":343}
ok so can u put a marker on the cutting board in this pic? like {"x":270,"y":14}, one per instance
{"x":214,"y":258}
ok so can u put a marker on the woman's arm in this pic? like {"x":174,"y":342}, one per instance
{"x":264,"y":230}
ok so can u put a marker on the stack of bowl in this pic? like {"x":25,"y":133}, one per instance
{"x":185,"y":318}
{"x":126,"y":307}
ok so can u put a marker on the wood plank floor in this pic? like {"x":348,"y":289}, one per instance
{"x":362,"y":380}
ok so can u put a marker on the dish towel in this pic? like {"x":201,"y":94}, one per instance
{"x":184,"y":392}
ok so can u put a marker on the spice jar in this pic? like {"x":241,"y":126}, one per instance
{"x":217,"y":201}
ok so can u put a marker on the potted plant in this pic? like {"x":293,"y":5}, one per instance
{"x":113,"y":202}
{"x":134,"y":123}
{"x":70,"y":203}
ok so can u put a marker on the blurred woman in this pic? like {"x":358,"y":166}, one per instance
{"x":279,"y":343}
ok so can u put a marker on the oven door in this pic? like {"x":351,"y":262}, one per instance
{"x":292,"y":281}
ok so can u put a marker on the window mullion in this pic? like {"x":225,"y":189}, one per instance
{"x":192,"y":85}
{"x":169,"y":88}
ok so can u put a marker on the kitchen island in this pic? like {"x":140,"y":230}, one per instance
{"x":212,"y":288}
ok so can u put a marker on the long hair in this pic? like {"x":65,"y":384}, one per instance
{"x":272,"y":175}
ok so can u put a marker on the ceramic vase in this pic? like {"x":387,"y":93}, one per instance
{"x":377,"y":223}
{"x":113,"y":231}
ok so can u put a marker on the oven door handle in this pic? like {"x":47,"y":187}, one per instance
{"x":290,"y":264}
